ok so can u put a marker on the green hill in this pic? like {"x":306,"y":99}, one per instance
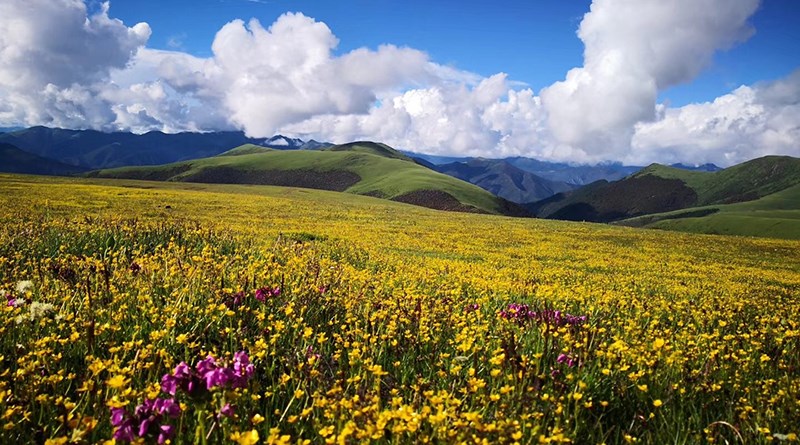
{"x":246,"y":149}
{"x":362,"y":168}
{"x":776,"y":215}
{"x":660,"y":189}
{"x":375,"y":148}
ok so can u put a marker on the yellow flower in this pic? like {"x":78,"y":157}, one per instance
{"x":116,"y":382}
{"x":257,"y":418}
{"x":246,"y":438}
{"x":657,"y":403}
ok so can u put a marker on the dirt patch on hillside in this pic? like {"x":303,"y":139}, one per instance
{"x":436,"y":199}
{"x":149,"y":175}
{"x":338,"y":180}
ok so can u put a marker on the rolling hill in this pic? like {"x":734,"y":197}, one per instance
{"x":776,"y":215}
{"x":659,"y":189}
{"x":14,"y":160}
{"x":364,"y":168}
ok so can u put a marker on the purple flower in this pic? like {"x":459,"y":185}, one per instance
{"x":262,"y":294}
{"x":232,"y":301}
{"x":146,"y":420}
{"x":472,"y":307}
{"x":569,"y":360}
{"x":183,"y":377}
{"x":243,"y":370}
{"x":226,"y":411}
{"x":210,"y":374}
{"x":521,"y":313}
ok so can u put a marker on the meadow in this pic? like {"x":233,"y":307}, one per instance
{"x":173,"y":312}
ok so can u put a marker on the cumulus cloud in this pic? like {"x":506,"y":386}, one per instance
{"x":633,"y":50}
{"x":287,"y":73}
{"x":749,"y":122}
{"x":93,"y":71}
{"x":51,"y":55}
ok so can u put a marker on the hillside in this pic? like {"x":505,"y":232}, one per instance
{"x":501,"y":178}
{"x":362,"y":168}
{"x":659,"y":189}
{"x":776,"y":216}
{"x":14,"y":160}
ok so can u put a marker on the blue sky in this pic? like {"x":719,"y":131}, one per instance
{"x":584,"y":81}
{"x":533,"y":42}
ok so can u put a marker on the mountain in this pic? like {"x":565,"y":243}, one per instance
{"x":574,"y":174}
{"x":281,"y":141}
{"x":501,"y":178}
{"x":659,"y":188}
{"x":314,"y":145}
{"x":702,"y":167}
{"x":95,"y":149}
{"x":14,"y":160}
{"x":558,"y":172}
{"x":364,"y":168}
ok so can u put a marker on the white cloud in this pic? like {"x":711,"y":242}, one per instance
{"x":633,"y":50}
{"x":749,"y":122}
{"x":93,"y":71}
{"x":51,"y":55}
{"x":287,"y":73}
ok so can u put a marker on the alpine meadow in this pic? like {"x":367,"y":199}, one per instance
{"x":205,"y":313}
{"x":362,"y":222}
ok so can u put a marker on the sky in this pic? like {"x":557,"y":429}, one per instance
{"x":582,"y":81}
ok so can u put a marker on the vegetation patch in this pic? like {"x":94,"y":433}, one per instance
{"x":335,"y":180}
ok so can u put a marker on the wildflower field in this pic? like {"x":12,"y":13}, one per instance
{"x":155,"y":312}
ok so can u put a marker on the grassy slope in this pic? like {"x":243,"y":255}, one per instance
{"x":776,"y":215}
{"x":375,"y":148}
{"x":246,"y":149}
{"x":661,"y":196}
{"x":743,"y":182}
{"x":388,"y":177}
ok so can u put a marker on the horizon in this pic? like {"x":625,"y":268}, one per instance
{"x":583,"y":82}
{"x":424,"y":155}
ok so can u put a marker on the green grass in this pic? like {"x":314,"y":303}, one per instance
{"x":743,"y":182}
{"x":775,"y":216}
{"x":245,"y":149}
{"x":375,"y":148}
{"x":383,"y":171}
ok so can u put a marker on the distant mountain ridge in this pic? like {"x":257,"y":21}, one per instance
{"x":94,"y":149}
{"x":14,"y":160}
{"x":504,"y":179}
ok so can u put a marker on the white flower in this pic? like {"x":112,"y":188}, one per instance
{"x":24,"y":286}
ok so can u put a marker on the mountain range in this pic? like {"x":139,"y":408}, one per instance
{"x":89,"y":149}
{"x":520,"y":180}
